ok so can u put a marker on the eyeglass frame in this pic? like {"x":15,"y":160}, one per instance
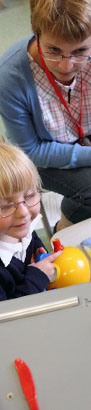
{"x":39,"y":191}
{"x":61,"y":57}
{"x":88,"y":58}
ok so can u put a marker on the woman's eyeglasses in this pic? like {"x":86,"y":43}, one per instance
{"x":57,"y":57}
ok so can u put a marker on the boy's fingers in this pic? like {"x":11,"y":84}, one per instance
{"x":40,"y":250}
{"x":54,"y":256}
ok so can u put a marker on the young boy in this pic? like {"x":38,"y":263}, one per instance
{"x":20,"y":189}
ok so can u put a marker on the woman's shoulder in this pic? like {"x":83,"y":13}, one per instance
{"x":15,"y":51}
{"x":14,"y":66}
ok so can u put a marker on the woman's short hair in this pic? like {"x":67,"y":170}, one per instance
{"x":17,"y":171}
{"x":68,"y":19}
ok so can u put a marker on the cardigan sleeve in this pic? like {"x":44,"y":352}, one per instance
{"x":3,"y":295}
{"x":20,"y":128}
{"x":35,"y":280}
{"x":17,"y":280}
{"x":21,"y":113}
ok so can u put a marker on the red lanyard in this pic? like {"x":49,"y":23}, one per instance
{"x":58,"y":92}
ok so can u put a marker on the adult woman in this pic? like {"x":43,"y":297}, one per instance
{"x":46,"y":99}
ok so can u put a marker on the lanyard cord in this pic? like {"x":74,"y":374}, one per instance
{"x":58,"y":92}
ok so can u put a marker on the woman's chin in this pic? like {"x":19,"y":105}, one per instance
{"x":65,"y":79}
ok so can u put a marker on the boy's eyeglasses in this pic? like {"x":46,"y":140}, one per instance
{"x":57,"y":57}
{"x":31,"y":200}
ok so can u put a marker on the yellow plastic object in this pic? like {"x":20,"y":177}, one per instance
{"x":74,"y":268}
{"x":87,"y":249}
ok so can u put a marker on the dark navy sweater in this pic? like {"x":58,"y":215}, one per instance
{"x":18,"y":279}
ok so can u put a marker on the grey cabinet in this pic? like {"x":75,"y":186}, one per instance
{"x":55,"y":344}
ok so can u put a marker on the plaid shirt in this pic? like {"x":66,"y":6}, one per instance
{"x":55,"y":116}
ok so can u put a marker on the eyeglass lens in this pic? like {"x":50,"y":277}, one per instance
{"x":29,"y":201}
{"x":74,"y":59}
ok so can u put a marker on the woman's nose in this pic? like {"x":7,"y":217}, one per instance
{"x":66,"y":64}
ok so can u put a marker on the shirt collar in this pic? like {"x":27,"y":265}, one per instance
{"x":66,"y":87}
{"x":17,"y":249}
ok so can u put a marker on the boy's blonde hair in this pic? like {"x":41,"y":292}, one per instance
{"x":17,"y":171}
{"x":68,"y":19}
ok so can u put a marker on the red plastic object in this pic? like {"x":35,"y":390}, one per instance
{"x":57,"y":245}
{"x":27,"y":383}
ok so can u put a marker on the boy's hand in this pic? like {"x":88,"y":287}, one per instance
{"x":38,"y":251}
{"x":47,"y":265}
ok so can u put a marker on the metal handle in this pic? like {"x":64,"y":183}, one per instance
{"x":37,"y":310}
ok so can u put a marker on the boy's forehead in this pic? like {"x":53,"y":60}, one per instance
{"x":16,"y":195}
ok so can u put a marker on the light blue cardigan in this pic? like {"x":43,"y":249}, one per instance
{"x":21,"y":113}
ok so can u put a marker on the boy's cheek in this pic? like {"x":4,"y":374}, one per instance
{"x":5,"y":224}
